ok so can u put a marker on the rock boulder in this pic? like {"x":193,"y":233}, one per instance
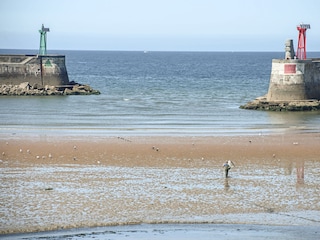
{"x":25,"y":89}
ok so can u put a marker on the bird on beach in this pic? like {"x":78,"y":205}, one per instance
{"x":154,"y":148}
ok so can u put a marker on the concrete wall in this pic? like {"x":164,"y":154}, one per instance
{"x":294,"y":79}
{"x":35,"y":69}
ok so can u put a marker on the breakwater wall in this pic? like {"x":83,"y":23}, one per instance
{"x":39,"y":70}
{"x":294,"y":80}
{"x":38,"y":75}
{"x":294,"y":86}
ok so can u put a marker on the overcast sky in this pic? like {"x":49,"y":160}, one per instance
{"x":158,"y":25}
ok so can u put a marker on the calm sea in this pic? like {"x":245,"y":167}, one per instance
{"x":156,"y":93}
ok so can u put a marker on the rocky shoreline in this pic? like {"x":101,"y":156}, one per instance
{"x":261,"y":103}
{"x":26,"y":89}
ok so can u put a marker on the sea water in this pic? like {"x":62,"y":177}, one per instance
{"x":156,"y":93}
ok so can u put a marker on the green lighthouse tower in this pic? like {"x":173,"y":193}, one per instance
{"x":43,"y":40}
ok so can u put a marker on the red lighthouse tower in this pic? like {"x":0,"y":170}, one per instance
{"x":301,"y":51}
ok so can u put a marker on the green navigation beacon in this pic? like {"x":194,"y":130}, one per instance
{"x":43,"y":40}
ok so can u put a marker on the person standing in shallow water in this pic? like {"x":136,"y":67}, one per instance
{"x":227,"y":166}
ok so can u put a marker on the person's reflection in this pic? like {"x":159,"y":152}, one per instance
{"x":300,"y":172}
{"x":226,"y":184}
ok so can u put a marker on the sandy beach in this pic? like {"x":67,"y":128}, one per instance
{"x":52,"y":183}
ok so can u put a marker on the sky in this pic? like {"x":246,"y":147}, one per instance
{"x":158,"y":25}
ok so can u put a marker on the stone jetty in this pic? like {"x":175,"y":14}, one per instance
{"x":38,"y":74}
{"x":294,"y":85}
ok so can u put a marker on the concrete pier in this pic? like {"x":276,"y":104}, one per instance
{"x":294,"y":79}
{"x":43,"y":74}
{"x":35,"y":69}
{"x":294,"y":85}
{"x":38,"y":75}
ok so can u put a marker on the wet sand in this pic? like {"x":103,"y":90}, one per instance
{"x":60,"y":183}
